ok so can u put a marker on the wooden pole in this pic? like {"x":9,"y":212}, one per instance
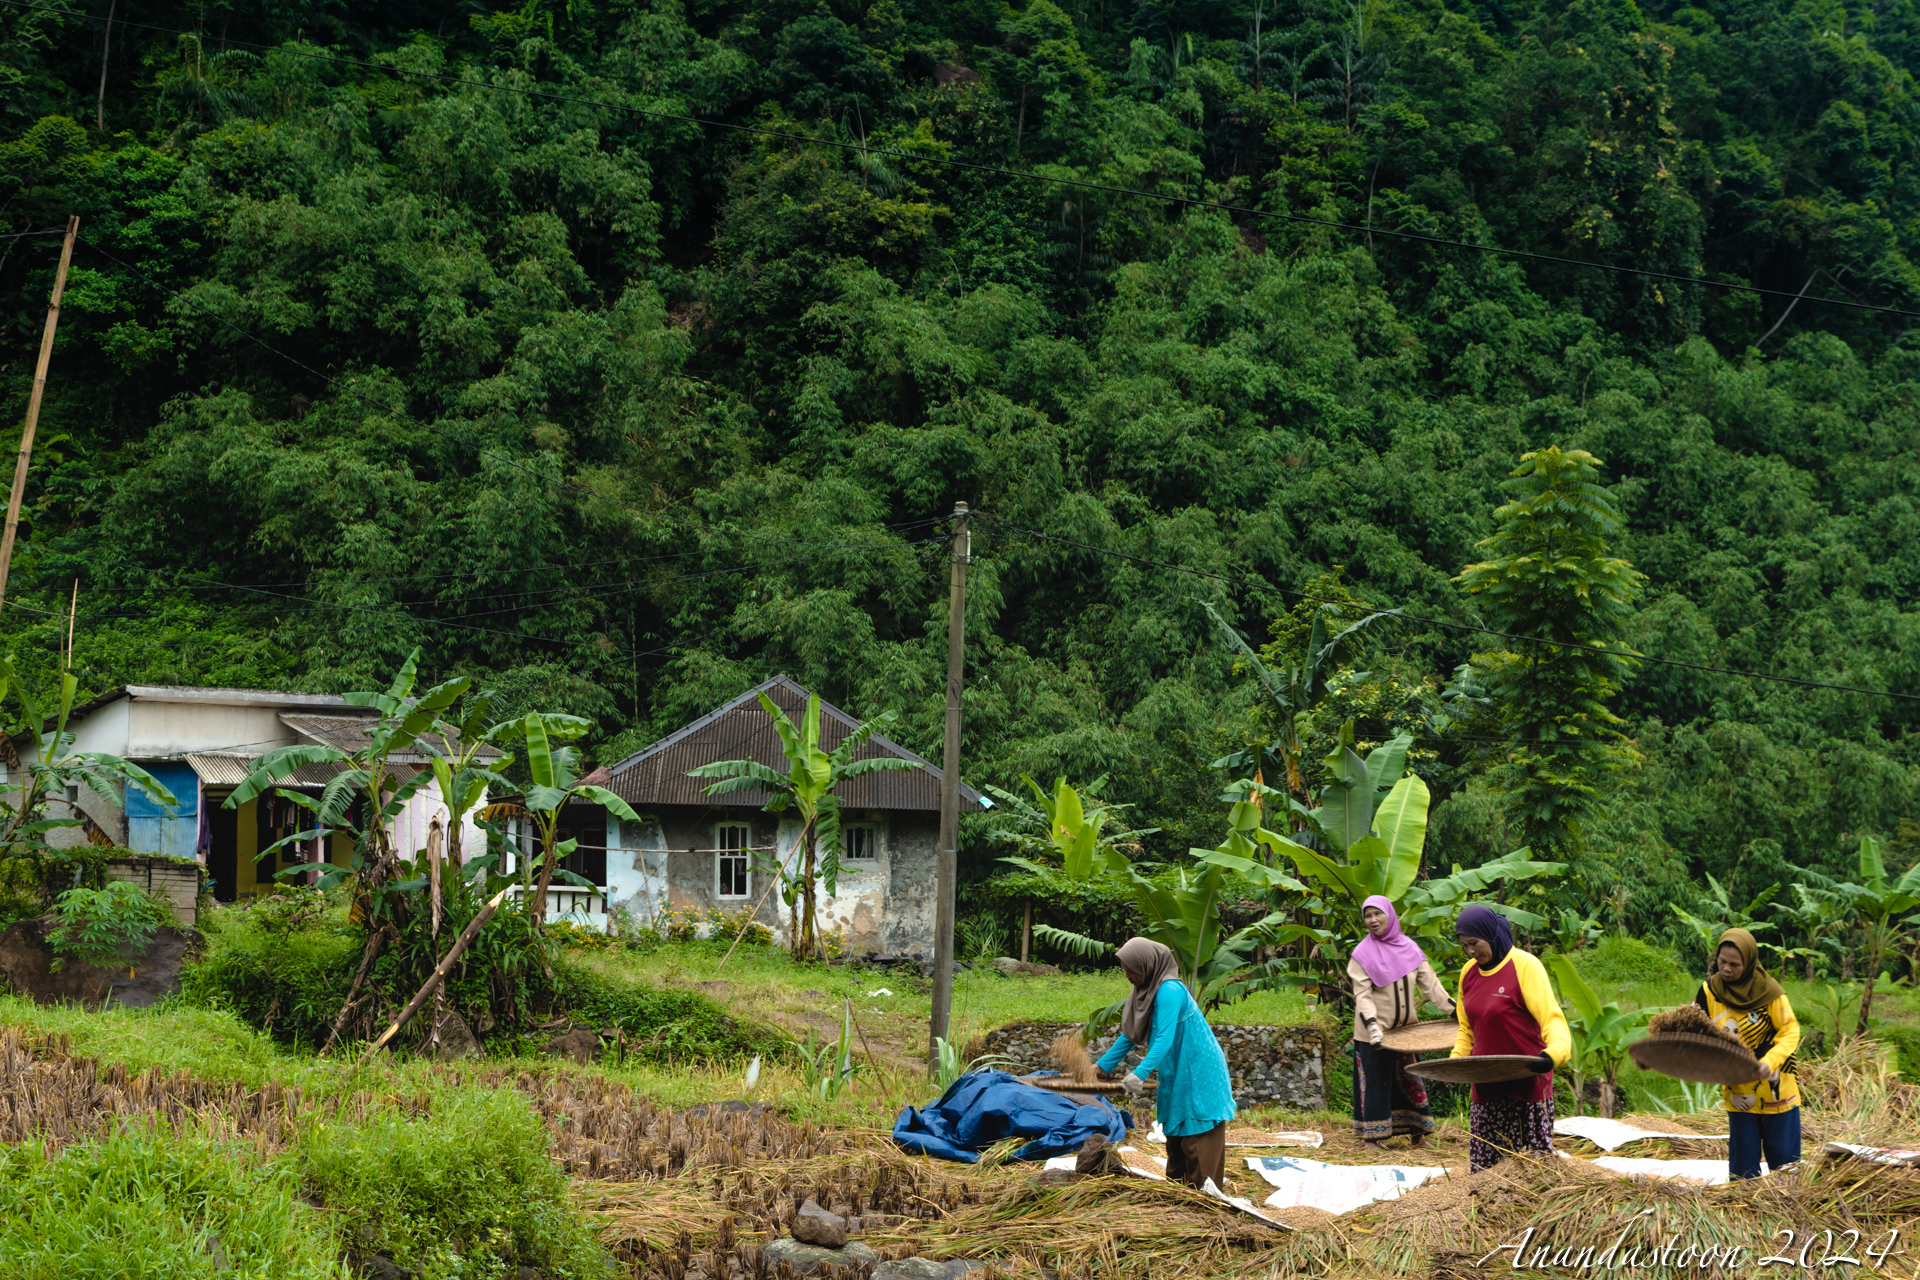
{"x":1026,"y":933}
{"x":948,"y":851}
{"x":440,"y":971}
{"x":33,"y":407}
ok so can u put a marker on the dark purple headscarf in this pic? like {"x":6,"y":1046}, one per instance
{"x":1488,"y":925}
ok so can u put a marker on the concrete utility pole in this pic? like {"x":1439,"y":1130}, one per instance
{"x":33,"y":408}
{"x":948,"y":853}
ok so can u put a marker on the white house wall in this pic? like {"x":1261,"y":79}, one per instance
{"x":637,"y":867}
{"x":159,"y":730}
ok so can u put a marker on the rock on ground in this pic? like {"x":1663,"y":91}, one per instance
{"x":580,"y":1045}
{"x":926,"y":1269}
{"x":27,"y":958}
{"x":456,"y":1039}
{"x":815,"y":1225}
{"x":806,"y":1258}
{"x":1008,"y":965}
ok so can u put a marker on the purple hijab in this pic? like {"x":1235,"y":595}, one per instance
{"x":1393,"y":957}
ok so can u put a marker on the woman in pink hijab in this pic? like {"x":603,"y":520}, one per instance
{"x":1389,"y":974}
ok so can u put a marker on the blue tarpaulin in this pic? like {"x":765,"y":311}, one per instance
{"x":985,"y":1106}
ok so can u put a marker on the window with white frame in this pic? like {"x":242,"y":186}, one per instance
{"x":860,"y":843}
{"x":732,"y":857}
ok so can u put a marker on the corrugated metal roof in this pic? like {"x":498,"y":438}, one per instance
{"x":230,"y":771}
{"x":350,"y":733}
{"x":742,"y":730}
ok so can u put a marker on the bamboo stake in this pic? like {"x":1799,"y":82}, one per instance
{"x":33,"y":407}
{"x":440,"y":971}
{"x":772,"y":880}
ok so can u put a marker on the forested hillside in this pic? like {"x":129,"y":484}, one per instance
{"x":472,"y":328}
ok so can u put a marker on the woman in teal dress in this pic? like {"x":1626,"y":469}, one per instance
{"x":1195,"y":1098}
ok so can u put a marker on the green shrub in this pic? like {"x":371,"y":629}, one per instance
{"x":286,"y":980}
{"x":1618,"y":960}
{"x":663,"y":1026}
{"x":290,"y":981}
{"x":107,"y":925}
{"x":157,"y":1205}
{"x":1905,"y":1039}
{"x":467,"y":1191}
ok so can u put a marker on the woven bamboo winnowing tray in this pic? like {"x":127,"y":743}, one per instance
{"x":1481,"y":1068}
{"x":1067,"y":1084}
{"x":1705,"y":1059}
{"x":1421,"y":1037}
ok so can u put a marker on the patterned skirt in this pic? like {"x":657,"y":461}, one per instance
{"x":1500,"y":1127}
{"x":1386,"y":1100}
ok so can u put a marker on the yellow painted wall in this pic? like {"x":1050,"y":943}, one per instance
{"x":246,"y":849}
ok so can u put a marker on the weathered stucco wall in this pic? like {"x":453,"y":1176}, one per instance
{"x":1286,"y":1065}
{"x":665,"y":860}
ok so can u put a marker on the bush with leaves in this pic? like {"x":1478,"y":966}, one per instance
{"x":105,"y":926}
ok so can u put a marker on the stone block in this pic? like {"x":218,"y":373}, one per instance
{"x":815,"y":1225}
{"x":806,"y":1258}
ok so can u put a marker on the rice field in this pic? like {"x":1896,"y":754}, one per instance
{"x":678,"y":1191}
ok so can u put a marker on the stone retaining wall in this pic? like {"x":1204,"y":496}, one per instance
{"x":1284,"y":1065}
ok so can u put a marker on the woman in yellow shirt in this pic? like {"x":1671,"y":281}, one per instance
{"x":1763,"y":1116}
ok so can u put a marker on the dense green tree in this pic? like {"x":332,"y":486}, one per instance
{"x":1549,"y":577}
{"x":404,"y":326}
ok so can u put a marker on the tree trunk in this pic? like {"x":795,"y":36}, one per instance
{"x":106,"y":44}
{"x":1609,"y":1098}
{"x":1876,"y":952}
{"x":546,"y":878}
{"x":811,"y":935}
{"x":1026,"y":933}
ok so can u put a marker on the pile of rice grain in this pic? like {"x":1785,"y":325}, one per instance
{"x":1690,"y":1020}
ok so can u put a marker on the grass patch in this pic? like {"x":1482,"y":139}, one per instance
{"x":464,"y":1190}
{"x":158,"y":1205}
{"x":212,"y":1043}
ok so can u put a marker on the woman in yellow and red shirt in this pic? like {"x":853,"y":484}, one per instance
{"x":1506,"y":1006}
{"x":1763,"y":1116}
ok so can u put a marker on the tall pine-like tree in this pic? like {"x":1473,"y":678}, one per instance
{"x":1549,"y":576}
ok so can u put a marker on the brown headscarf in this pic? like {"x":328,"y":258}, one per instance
{"x":1156,"y":963}
{"x":1756,"y":987}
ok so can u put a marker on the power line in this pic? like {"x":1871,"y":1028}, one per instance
{"x":1628,"y":654}
{"x":1001,"y":171}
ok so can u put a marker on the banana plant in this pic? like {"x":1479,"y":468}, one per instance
{"x":362,"y":800}
{"x":366,"y":774}
{"x":1723,"y":915}
{"x":1820,"y":914}
{"x":1184,"y":916}
{"x":1075,"y":832}
{"x":1297,"y":688}
{"x":807,"y":786}
{"x":1601,"y":1034}
{"x":1368,"y":843}
{"x":1880,"y":903}
{"x":55,"y":767}
{"x":555,"y":772}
